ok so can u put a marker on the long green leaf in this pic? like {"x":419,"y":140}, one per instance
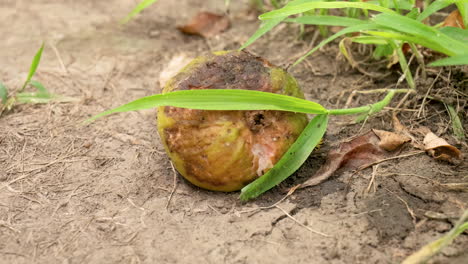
{"x":291,"y":160}
{"x":221,"y":99}
{"x":33,"y":67}
{"x":297,"y":9}
{"x":142,"y":5}
{"x":326,"y":20}
{"x":454,"y":60}
{"x":3,"y":93}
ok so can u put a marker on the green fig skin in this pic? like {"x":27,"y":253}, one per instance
{"x":226,"y":150}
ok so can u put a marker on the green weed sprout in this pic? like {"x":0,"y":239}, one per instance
{"x":41,"y":96}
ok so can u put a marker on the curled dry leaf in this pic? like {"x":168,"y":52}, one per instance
{"x":440,"y":149}
{"x":206,"y":24}
{"x":454,"y":19}
{"x":354,"y":153}
{"x":362,"y":150}
{"x":390,"y":141}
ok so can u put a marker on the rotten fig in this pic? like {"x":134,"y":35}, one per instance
{"x":226,"y":150}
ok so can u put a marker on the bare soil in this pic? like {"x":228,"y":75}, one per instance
{"x":101,"y":193}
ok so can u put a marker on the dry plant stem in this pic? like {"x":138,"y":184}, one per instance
{"x":421,"y":109}
{"x":372,"y":181}
{"x":174,"y":186}
{"x":410,"y":211}
{"x":301,"y":224}
{"x":431,"y":249}
{"x":391,"y":158}
{"x":291,"y":191}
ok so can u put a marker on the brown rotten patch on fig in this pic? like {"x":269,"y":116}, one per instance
{"x":226,"y":150}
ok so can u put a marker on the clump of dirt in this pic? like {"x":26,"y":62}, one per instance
{"x":106,"y":193}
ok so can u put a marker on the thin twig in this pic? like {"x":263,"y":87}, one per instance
{"x":408,"y":208}
{"x":301,"y":224}
{"x":173,"y":188}
{"x":387,"y":159}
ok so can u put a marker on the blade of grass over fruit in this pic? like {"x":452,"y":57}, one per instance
{"x":297,"y":9}
{"x":454,"y":60}
{"x":291,"y":160}
{"x":33,"y":67}
{"x":267,"y":26}
{"x":326,"y":20}
{"x":420,"y":30}
{"x":357,"y":28}
{"x":3,"y":93}
{"x":221,"y":99}
{"x":142,"y":5}
{"x":434,"y":7}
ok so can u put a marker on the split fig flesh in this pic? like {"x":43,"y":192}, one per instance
{"x":226,"y":150}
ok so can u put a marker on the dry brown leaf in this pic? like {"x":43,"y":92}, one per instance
{"x":206,"y":24}
{"x":390,"y":141}
{"x":354,"y":153}
{"x":454,"y":19}
{"x":440,"y":149}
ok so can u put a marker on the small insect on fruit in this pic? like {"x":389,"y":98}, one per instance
{"x":226,"y":150}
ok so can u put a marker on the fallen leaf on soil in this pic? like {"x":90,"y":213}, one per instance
{"x":440,"y":149}
{"x":206,"y":24}
{"x":389,"y":140}
{"x":354,"y":153}
{"x":454,"y":20}
{"x":173,"y":67}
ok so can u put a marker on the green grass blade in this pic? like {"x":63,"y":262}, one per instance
{"x":357,"y":28}
{"x":326,"y":20}
{"x":297,"y":9}
{"x":463,"y":8}
{"x":450,"y":61}
{"x":457,"y":125}
{"x":266,"y":26}
{"x":434,"y":7}
{"x":370,"y":40}
{"x":40,"y":88}
{"x":33,"y":67}
{"x":398,"y":47}
{"x":391,"y":35}
{"x":431,"y":249}
{"x":291,"y":160}
{"x":220,"y":99}
{"x":262,"y":30}
{"x":142,"y":5}
{"x":456,"y":33}
{"x":34,"y":98}
{"x":3,"y":93}
{"x":421,"y":31}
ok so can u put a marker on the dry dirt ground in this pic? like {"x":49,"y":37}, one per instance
{"x":99,"y":193}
